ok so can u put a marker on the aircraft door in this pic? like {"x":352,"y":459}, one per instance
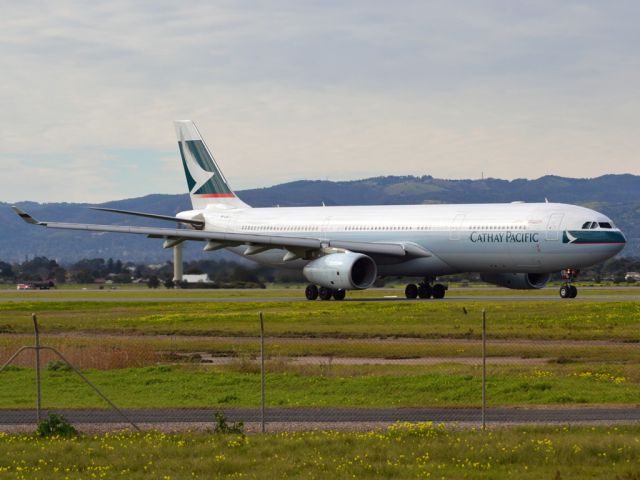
{"x":456,"y":227}
{"x":553,"y":226}
{"x":324,"y":227}
{"x":225,"y":223}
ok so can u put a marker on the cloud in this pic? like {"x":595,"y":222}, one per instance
{"x":288,"y":90}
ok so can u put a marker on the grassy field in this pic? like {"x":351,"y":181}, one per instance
{"x":140,"y":348}
{"x":238,"y":385}
{"x":586,"y":320}
{"x":402,"y":451}
{"x":143,"y":348}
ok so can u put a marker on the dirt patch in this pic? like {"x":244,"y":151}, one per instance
{"x":208,"y":359}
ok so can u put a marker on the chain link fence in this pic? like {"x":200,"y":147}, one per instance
{"x":285,"y":380}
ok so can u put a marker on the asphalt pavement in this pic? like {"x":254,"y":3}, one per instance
{"x":300,"y":298}
{"x":352,"y":415}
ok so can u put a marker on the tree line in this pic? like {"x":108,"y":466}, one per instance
{"x":99,"y":270}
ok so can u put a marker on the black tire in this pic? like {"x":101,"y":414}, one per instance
{"x":339,"y":294}
{"x":439,"y":290}
{"x":411,"y":291}
{"x":325,"y":293}
{"x":573,"y":291}
{"x":424,"y":290}
{"x":565,"y":291}
{"x":311,"y":292}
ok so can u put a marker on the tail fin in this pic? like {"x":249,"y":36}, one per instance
{"x":206,"y":183}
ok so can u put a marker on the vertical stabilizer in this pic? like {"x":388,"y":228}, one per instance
{"x":205,"y":181}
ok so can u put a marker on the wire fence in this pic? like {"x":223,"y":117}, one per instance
{"x":335,"y":379}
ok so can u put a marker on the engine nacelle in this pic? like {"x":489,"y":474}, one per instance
{"x":344,"y":271}
{"x":519,"y":281}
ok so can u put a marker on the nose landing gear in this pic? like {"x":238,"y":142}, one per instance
{"x":567,"y":290}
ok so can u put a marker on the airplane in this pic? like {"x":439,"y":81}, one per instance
{"x":514,"y":245}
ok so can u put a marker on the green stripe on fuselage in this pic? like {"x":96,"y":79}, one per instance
{"x":592,"y":236}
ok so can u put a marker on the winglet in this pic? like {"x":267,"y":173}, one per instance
{"x":26,"y":217}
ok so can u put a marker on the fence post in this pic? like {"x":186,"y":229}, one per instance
{"x":262,"y":373}
{"x":37,"y":348}
{"x":484,"y":368}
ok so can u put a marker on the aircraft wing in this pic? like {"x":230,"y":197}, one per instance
{"x":255,"y":242}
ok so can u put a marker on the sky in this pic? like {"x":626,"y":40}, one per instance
{"x":289,"y":90}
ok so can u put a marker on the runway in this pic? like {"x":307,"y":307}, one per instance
{"x":285,"y":295}
{"x":349,"y":415}
{"x":475,"y":298}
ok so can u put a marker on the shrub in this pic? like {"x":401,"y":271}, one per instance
{"x":56,"y":425}
{"x":58,"y":366}
{"x":222,"y":426}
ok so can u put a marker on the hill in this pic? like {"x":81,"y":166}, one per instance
{"x":614,"y":195}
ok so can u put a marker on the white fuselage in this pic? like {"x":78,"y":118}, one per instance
{"x":514,"y":237}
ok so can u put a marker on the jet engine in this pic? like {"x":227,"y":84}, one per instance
{"x":519,"y":281}
{"x":342,"y":271}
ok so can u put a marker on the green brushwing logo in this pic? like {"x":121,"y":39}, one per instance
{"x":203,"y":177}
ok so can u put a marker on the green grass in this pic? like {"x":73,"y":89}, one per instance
{"x":127,"y":346}
{"x":507,"y":319}
{"x":402,"y":451}
{"x":238,"y":385}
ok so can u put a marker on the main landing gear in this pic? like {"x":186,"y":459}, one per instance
{"x":312,"y":292}
{"x":567,"y":290}
{"x":425,"y":290}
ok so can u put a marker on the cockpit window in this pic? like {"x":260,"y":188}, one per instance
{"x":593,"y":225}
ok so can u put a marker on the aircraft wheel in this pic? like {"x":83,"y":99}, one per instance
{"x":565,"y":291}
{"x":325,"y":293}
{"x":339,"y":294}
{"x":311,"y":292}
{"x":573,"y":291}
{"x":424,"y":290}
{"x":439,"y":290}
{"x":411,"y":291}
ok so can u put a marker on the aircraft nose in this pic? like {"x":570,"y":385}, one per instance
{"x":621,"y":241}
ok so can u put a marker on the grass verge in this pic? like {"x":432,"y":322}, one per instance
{"x":584,"y":320}
{"x":238,"y":385}
{"x":402,"y":451}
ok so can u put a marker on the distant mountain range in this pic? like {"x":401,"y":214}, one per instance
{"x":617,"y":196}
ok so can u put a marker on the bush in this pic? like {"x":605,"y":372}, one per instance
{"x":56,"y":425}
{"x":223,"y":427}
{"x":58,"y":366}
